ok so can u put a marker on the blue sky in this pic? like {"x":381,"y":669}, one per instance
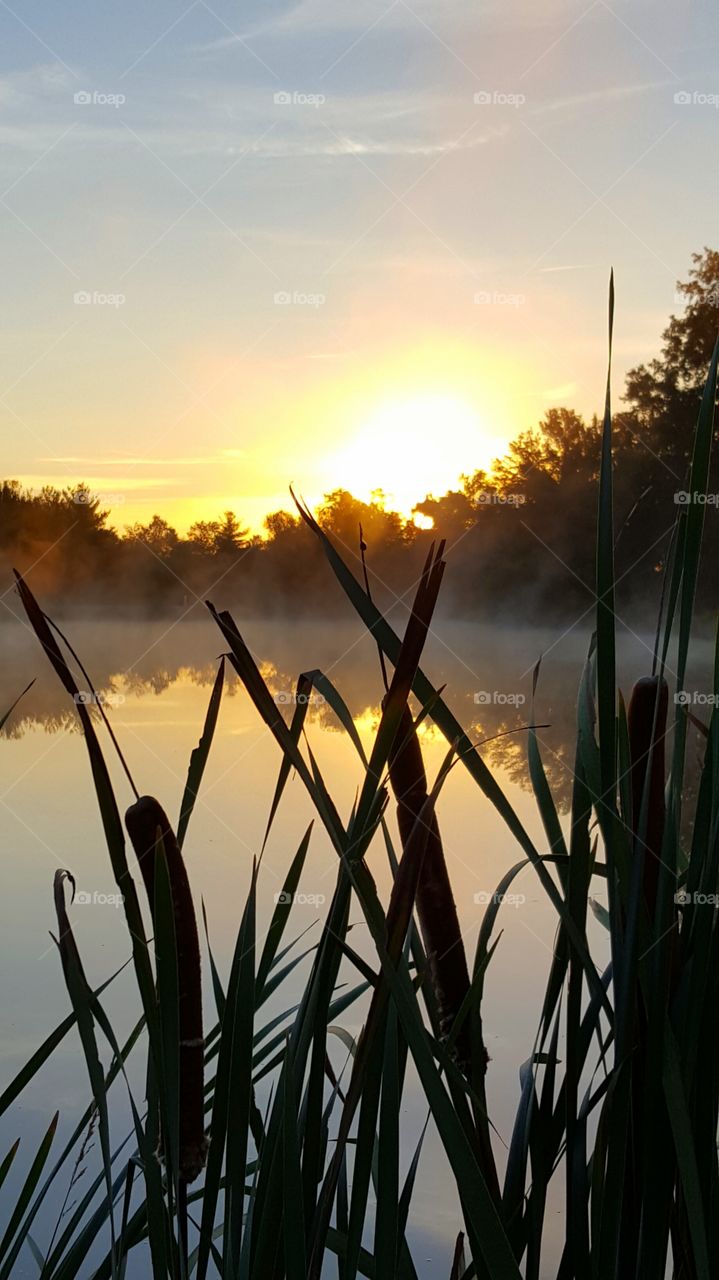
{"x":440,"y":199}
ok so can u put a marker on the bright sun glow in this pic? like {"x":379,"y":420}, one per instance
{"x":411,"y":448}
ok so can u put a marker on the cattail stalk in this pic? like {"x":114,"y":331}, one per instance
{"x":147,"y":824}
{"x":439,"y":925}
{"x":647,"y":723}
{"x":435,"y":903}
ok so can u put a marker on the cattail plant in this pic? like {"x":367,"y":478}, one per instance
{"x":148,"y":827}
{"x":435,"y":903}
{"x":647,"y":724}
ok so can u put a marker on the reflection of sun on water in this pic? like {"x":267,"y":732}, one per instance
{"x":411,"y":448}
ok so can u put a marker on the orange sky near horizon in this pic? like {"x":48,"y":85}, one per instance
{"x":410,"y":423}
{"x":333,"y":246}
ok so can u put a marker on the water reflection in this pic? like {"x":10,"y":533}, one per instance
{"x":157,"y":680}
{"x":487,"y":672}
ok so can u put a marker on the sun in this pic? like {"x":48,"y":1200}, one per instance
{"x":409,"y":448}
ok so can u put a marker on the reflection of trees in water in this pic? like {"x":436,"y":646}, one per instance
{"x":137,"y":663}
{"x":508,"y":754}
{"x":137,"y":685}
{"x":500,"y":732}
{"x":50,"y":721}
{"x":48,"y":706}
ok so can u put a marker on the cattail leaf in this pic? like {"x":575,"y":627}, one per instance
{"x":680,"y":1119}
{"x":130,"y":1172}
{"x":241,"y":1002}
{"x":405,"y":1199}
{"x":387,"y":1220}
{"x":277,"y":978}
{"x":24,"y":1196}
{"x":538,"y":778}
{"x":198,"y":759}
{"x":334,"y":699}
{"x":45,"y":1051}
{"x":454,"y":733}
{"x":4,"y":718}
{"x":35,"y":1251}
{"x":77,"y":1135}
{"x":459,"y":1262}
{"x":281,"y":913}
{"x":71,"y":1265}
{"x":293,"y":1224}
{"x":168,"y":999}
{"x":109,"y":811}
{"x":337,"y":1243}
{"x":606,"y":657}
{"x":217,"y":987}
{"x":78,"y":1236}
{"x":82,"y":1002}
{"x":177,"y":952}
{"x":299,"y":715}
{"x":7,"y":1162}
{"x":233,"y":1076}
{"x":364,"y":1152}
{"x":248,"y":672}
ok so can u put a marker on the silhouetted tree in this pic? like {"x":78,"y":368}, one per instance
{"x":158,"y":535}
{"x":521,"y":535}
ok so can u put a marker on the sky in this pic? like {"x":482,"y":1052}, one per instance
{"x":329,"y":244}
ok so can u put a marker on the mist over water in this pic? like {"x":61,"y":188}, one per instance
{"x":144,"y":671}
{"x":155,"y":678}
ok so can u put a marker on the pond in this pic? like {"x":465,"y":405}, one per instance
{"x":156,"y":679}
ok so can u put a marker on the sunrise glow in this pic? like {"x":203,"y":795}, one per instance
{"x":411,"y":448}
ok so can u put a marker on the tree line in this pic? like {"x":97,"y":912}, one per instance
{"x":520,"y":536}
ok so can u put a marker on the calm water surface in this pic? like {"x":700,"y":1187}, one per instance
{"x":158,"y":677}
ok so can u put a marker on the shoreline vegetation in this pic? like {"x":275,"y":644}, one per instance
{"x":307,"y":1167}
{"x":519,"y":538}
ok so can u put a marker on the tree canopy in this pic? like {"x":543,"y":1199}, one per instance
{"x":520,"y":535}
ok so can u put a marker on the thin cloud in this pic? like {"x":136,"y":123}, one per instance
{"x":611,"y":93}
{"x":99,"y":484}
{"x":76,"y":461}
{"x":570,"y":266}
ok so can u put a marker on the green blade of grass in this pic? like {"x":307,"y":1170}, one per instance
{"x":25,"y":1195}
{"x":82,"y":1003}
{"x":198,"y":759}
{"x":282,"y":910}
{"x":4,"y":718}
